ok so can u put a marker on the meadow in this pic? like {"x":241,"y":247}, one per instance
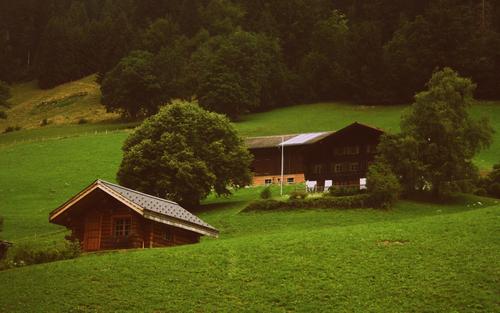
{"x":416,"y":257}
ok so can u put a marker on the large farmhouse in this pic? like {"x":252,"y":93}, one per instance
{"x":332,"y":157}
{"x":109,"y":216}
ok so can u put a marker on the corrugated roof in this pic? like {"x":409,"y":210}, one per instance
{"x":288,"y":140}
{"x":155,"y":204}
{"x":304,"y":139}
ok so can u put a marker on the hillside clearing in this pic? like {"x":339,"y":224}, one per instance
{"x":65,"y":104}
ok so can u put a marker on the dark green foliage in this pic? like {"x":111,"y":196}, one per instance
{"x":184,"y":152}
{"x":266,"y":193}
{"x":238,"y":73}
{"x":366,"y":51}
{"x":23,"y":255}
{"x":132,"y":87}
{"x":4,"y":97}
{"x":347,"y":202}
{"x":439,"y":139}
{"x":339,"y":191}
{"x":491,"y":183}
{"x":4,"y":94}
{"x":382,"y":184}
{"x":298,"y":194}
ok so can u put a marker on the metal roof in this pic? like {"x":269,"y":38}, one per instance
{"x":156,"y":204}
{"x":288,"y":140}
{"x":304,"y":139}
{"x":297,"y":139}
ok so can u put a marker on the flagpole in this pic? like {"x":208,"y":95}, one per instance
{"x":282,"y":159}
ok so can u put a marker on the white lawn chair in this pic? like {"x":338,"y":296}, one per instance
{"x":362,"y":183}
{"x":311,"y":185}
{"x":328,"y":185}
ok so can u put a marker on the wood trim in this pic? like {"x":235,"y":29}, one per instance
{"x":72,"y":201}
{"x":151,"y":233}
{"x":100,"y":230}
{"x":180,"y":224}
{"x":68,"y":204}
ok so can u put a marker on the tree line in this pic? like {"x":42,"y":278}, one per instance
{"x":238,"y":56}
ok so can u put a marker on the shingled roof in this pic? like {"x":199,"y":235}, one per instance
{"x":150,"y":207}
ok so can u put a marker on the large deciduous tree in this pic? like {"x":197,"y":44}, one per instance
{"x":184,"y":152}
{"x":132,"y":86}
{"x":439,"y":139}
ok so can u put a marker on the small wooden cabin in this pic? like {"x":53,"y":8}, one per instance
{"x":108,"y":216}
{"x":341,"y":156}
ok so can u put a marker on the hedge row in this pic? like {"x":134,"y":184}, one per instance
{"x":347,"y":202}
{"x":26,"y":255}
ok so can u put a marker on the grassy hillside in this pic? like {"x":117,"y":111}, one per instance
{"x":416,"y":258}
{"x":64,"y":104}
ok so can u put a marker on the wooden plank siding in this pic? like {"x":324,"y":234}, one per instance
{"x":143,"y":233}
{"x":321,"y":160}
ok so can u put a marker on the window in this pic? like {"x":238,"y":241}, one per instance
{"x":289,"y":180}
{"x":268,"y":181}
{"x":318,"y":168}
{"x":338,"y":167}
{"x":169,"y":236}
{"x":122,"y":226}
{"x":371,"y":149}
{"x":352,"y":150}
{"x":338,"y":151}
{"x":354,"y":166}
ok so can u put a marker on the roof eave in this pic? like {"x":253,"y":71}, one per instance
{"x":157,"y":217}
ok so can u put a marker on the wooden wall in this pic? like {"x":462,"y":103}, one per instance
{"x":318,"y":161}
{"x":143,"y":233}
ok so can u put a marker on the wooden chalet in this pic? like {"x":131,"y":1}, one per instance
{"x":109,"y":216}
{"x":341,"y":157}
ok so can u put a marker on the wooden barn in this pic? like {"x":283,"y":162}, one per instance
{"x":332,"y":157}
{"x":109,"y":216}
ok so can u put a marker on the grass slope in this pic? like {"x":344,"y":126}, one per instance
{"x":64,"y":104}
{"x":415,"y":258}
{"x":444,"y":260}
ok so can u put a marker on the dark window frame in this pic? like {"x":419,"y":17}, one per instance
{"x":122,"y":226}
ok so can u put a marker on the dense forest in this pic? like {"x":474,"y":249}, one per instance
{"x":236,"y":56}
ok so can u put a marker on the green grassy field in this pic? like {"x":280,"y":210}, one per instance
{"x":418,"y":257}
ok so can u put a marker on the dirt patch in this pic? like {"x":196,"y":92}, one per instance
{"x":399,"y":242}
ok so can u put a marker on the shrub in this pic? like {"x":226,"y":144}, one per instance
{"x":25,"y":255}
{"x":343,"y":191}
{"x":3,"y":115}
{"x":297,"y":194}
{"x":480,"y":192}
{"x":266,"y":193}
{"x":82,"y":121}
{"x":44,"y":122}
{"x":382,"y":185}
{"x":494,"y":190}
{"x":11,"y":129}
{"x":347,"y":202}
